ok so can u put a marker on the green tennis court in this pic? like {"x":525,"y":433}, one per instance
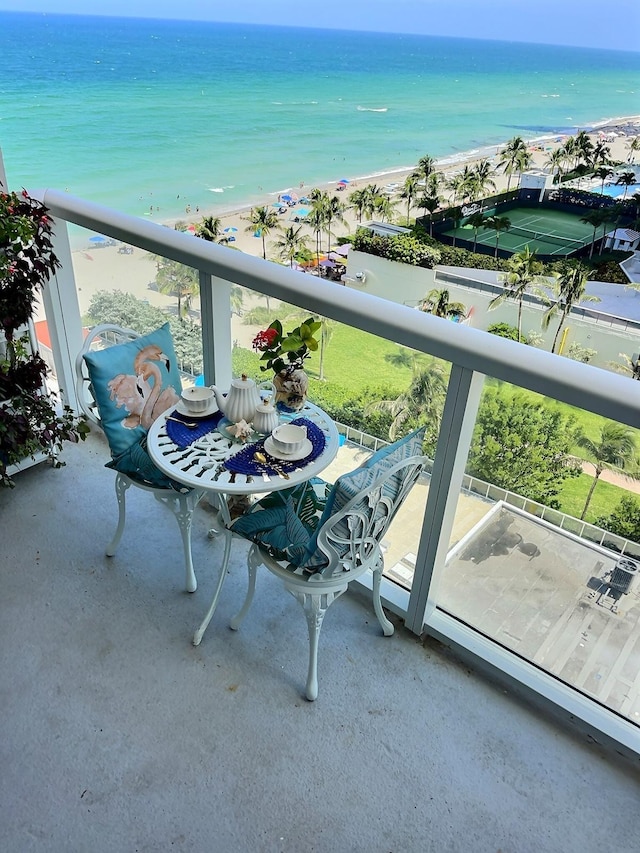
{"x":547,"y":232}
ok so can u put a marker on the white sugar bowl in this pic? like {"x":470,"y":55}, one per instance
{"x":266,"y":418}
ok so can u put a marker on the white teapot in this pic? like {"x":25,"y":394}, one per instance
{"x":241,"y":401}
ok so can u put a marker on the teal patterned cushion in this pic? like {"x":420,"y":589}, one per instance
{"x":283,"y":522}
{"x":349,"y":485}
{"x":132,"y":384}
{"x":287,"y":522}
{"x":136,"y":463}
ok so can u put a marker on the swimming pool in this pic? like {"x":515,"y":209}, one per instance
{"x":615,"y":191}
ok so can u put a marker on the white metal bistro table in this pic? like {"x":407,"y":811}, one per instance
{"x":201,"y":465}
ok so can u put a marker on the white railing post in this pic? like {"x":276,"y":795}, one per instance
{"x":454,"y":440}
{"x":62,"y":311}
{"x":215,"y":308}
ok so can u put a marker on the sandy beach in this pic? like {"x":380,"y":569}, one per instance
{"x":106,"y":269}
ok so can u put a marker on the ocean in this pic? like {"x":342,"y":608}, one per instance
{"x":158,"y":117}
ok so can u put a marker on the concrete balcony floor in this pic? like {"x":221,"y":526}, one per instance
{"x":118,"y":735}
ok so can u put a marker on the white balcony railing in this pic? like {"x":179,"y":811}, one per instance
{"x":472,"y":354}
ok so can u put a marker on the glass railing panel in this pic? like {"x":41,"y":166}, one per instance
{"x":561,"y":592}
{"x":130,"y":287}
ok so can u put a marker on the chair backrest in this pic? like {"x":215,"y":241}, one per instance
{"x":99,"y":337}
{"x":350,"y":537}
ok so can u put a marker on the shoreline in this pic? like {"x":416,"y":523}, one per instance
{"x":445,"y":164}
{"x":104,"y":269}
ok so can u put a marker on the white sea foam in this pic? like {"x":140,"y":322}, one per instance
{"x":372,"y":109}
{"x":216,"y":189}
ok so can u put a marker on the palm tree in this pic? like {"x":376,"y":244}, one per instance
{"x":209,"y":228}
{"x":525,"y":275}
{"x":372,"y":193}
{"x":410,"y":191}
{"x":333,"y":209}
{"x":237,"y":299}
{"x":483,"y":178}
{"x":626,"y":179}
{"x":477,"y":221}
{"x":570,"y":289}
{"x":601,"y":153}
{"x":602,"y":172}
{"x":555,"y":161}
{"x":595,"y":218}
{"x":422,"y":401}
{"x":290,"y":243}
{"x":430,"y":203}
{"x":426,"y":166}
{"x":175,"y":279}
{"x":498,"y":224}
{"x":315,"y":220}
{"x":584,"y":147}
{"x":385,"y":208}
{"x":456,"y":185}
{"x":262,"y":220}
{"x":434,"y":183}
{"x":455,"y":214}
{"x":616,"y":449}
{"x":358,"y":201}
{"x":571,"y":153}
{"x":514,"y":158}
{"x":633,"y":145}
{"x":436,"y":302}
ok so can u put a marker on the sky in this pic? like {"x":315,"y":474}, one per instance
{"x":585,"y":23}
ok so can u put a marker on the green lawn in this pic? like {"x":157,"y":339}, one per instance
{"x":605,"y":497}
{"x":356,"y":359}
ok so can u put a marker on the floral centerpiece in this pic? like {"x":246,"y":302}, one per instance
{"x":285,"y":354}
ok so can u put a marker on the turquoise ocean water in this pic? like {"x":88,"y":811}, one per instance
{"x":140,"y":113}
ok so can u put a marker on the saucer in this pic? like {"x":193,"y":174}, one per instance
{"x":212,"y":409}
{"x":305,"y":450}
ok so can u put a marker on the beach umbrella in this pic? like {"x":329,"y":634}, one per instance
{"x":191,"y":228}
{"x":286,"y":197}
{"x":343,"y":250}
{"x":327,"y":264}
{"x":98,"y":239}
{"x":343,"y":181}
{"x":230,"y":230}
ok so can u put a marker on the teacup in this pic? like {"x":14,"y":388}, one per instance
{"x":196,"y":398}
{"x":288,"y":438}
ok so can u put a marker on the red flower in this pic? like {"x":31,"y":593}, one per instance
{"x":264,"y":340}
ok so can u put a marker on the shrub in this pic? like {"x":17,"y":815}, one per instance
{"x":608,"y":271}
{"x":503,"y":330}
{"x":624,"y":520}
{"x":404,"y":248}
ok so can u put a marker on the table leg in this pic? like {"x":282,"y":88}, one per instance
{"x":197,"y":637}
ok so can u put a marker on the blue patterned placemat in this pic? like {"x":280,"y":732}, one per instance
{"x":244,"y":463}
{"x":182,"y":435}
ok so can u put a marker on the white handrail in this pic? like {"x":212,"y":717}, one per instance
{"x":582,"y":385}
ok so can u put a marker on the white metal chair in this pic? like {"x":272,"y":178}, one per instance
{"x":182,"y":501}
{"x":346,"y":543}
